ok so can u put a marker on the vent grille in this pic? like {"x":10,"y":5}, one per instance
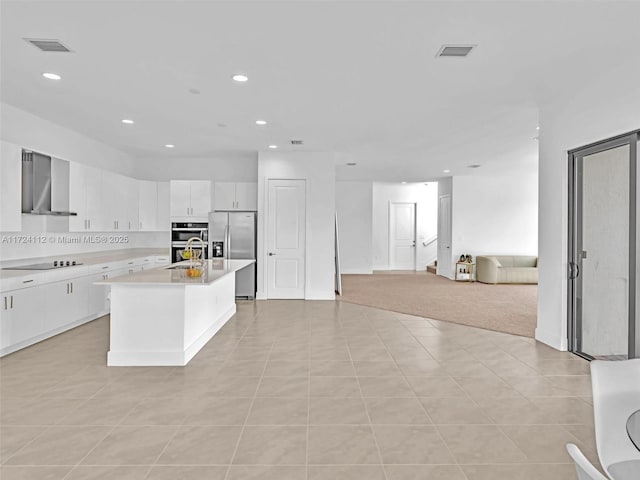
{"x":297,"y":142}
{"x":455,"y":50}
{"x":48,"y":45}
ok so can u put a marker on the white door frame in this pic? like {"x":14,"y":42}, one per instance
{"x":265,"y":250}
{"x":415,"y":232}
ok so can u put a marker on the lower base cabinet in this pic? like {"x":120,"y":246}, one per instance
{"x":22,"y":315}
{"x":67,"y":302}
{"x":31,"y":314}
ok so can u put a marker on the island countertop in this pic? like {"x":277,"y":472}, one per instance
{"x":214,"y":269}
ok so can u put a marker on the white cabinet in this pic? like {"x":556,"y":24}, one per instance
{"x":115,"y":200}
{"x":130,"y":189}
{"x":163,"y":219}
{"x":22,"y":315}
{"x":161,"y":261}
{"x":67,"y":302}
{"x":180,"y":198}
{"x":148,"y":206}
{"x":10,"y":187}
{"x":85,"y":198}
{"x":224,"y":196}
{"x":236,"y":196}
{"x":190,"y":198}
{"x":98,"y":295}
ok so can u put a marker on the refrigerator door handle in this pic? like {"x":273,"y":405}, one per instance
{"x":227,"y":241}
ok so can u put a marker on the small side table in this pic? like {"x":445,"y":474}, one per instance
{"x":464,"y":271}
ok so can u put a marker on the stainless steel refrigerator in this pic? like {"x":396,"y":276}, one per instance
{"x":232,"y":235}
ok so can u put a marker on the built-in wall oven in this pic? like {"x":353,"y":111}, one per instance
{"x":181,"y":232}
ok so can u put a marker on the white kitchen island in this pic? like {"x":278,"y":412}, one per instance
{"x":162,"y":317}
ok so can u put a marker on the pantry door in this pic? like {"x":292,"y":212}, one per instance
{"x":286,"y":239}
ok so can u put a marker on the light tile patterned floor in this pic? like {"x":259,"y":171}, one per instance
{"x":293,"y":390}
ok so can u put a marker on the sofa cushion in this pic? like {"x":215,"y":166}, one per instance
{"x":517,"y":260}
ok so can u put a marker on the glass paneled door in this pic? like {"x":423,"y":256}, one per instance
{"x":602,"y":249}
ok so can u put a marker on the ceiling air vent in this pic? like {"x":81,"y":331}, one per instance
{"x":47,"y":45}
{"x":455,"y":50}
{"x":297,"y":142}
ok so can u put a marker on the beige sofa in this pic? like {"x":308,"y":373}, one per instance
{"x":507,"y":269}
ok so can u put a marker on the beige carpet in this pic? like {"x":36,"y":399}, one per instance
{"x":503,"y":308}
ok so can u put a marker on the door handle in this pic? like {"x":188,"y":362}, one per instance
{"x":71,"y":287}
{"x":5,"y":303}
{"x":11,"y":301}
{"x":574,"y":270}
{"x":271,"y":254}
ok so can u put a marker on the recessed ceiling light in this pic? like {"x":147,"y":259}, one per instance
{"x":447,"y":171}
{"x":538,"y":127}
{"x":261,"y":122}
{"x":168,"y":145}
{"x":474,"y":166}
{"x":240,"y":78}
{"x":127,"y":121}
{"x":273,"y":146}
{"x":51,"y":76}
{"x":404,"y":183}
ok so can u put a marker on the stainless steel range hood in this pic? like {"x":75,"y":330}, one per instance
{"x":36,"y":185}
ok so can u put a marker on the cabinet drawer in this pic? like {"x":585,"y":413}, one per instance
{"x":14,"y":283}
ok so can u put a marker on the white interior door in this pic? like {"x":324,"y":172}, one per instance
{"x":444,"y":236}
{"x":286,"y":239}
{"x":402,"y":236}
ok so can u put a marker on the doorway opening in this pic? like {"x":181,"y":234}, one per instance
{"x":603,"y":251}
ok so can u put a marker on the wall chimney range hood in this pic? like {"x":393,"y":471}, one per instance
{"x":37,"y":182}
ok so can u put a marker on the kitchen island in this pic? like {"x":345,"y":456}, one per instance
{"x":164,"y":317}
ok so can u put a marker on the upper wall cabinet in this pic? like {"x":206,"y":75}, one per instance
{"x":10,"y":187}
{"x":190,"y":198}
{"x":148,"y":217}
{"x":85,"y":198}
{"x":236,"y":196}
{"x":163,"y":219}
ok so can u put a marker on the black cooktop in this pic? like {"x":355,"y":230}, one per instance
{"x":45,"y":266}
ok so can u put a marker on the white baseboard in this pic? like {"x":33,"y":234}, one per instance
{"x":552,"y":340}
{"x":356,"y":271}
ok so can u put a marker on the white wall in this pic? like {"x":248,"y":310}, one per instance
{"x":354,"y":203}
{"x":600,"y":108}
{"x":318,"y":169}
{"x":426,"y":199}
{"x":32,"y":132}
{"x":234,"y":168}
{"x":495,"y":215}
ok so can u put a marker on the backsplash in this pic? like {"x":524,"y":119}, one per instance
{"x":15,"y":246}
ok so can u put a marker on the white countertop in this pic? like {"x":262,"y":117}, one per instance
{"x":87,"y":259}
{"x":214,"y":269}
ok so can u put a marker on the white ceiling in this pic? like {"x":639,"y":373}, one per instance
{"x":358,"y":78}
